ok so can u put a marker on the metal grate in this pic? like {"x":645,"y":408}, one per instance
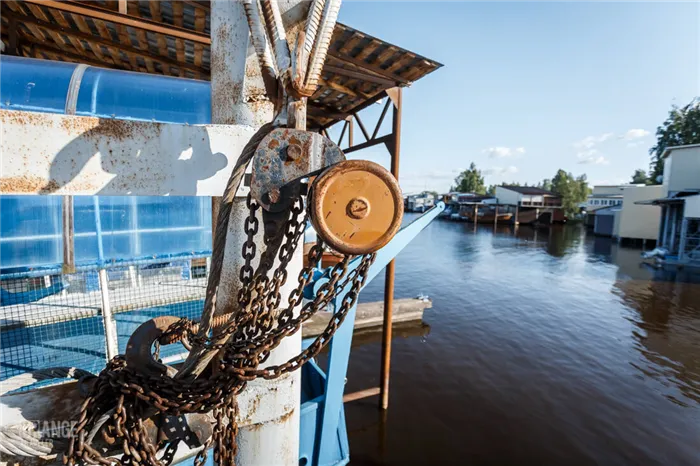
{"x":50,"y":319}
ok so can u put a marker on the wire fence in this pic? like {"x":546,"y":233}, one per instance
{"x":50,"y":319}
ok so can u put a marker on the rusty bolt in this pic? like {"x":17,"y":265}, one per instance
{"x":293,"y":152}
{"x":358,"y":208}
{"x":274,"y":195}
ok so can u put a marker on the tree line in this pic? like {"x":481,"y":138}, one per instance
{"x":573,"y":190}
{"x":681,"y":127}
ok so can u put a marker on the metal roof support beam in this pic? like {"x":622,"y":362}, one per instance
{"x":396,"y":97}
{"x":395,"y":78}
{"x":99,"y":40}
{"x":125,"y":20}
{"x":392,"y":141}
{"x":13,"y":49}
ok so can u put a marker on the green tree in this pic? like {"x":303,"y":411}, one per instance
{"x":491,"y":191}
{"x":640,"y":177}
{"x":573,"y":190}
{"x":680,"y":128}
{"x":546,"y":184}
{"x":470,"y":181}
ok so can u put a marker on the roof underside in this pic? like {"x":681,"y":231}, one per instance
{"x":172,"y":38}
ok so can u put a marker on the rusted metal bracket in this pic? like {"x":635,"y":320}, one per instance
{"x":283,"y":159}
{"x":138,"y":352}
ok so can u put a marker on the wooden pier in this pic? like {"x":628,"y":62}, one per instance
{"x":370,"y":315}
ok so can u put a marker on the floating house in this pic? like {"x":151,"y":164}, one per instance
{"x":419,"y":202}
{"x":679,"y":213}
{"x":623,"y":217}
{"x":530,"y":204}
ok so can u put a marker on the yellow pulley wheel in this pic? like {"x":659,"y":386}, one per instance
{"x":356,"y":207}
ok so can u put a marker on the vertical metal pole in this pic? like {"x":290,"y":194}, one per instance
{"x":111,"y":344}
{"x":674,"y":221}
{"x":684,"y":232}
{"x":389,"y":275}
{"x":351,"y":131}
{"x":516,"y":214}
{"x":215,"y":204}
{"x":667,"y":222}
{"x":269,"y":432}
{"x":495,"y":217}
{"x":68,"y":235}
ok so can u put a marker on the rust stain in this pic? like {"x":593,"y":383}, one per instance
{"x":78,"y":125}
{"x":273,"y":144}
{"x":282,"y":419}
{"x":27,"y":118}
{"x":27,"y":184}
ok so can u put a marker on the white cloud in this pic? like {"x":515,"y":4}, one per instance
{"x":635,"y":134}
{"x":591,"y":156}
{"x":591,"y":141}
{"x":500,"y":170}
{"x":500,"y":152}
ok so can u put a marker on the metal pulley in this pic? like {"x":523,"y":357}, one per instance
{"x":356,"y":206}
{"x":285,"y":157}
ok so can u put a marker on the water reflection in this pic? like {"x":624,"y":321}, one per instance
{"x":666,"y":315}
{"x":546,"y":346}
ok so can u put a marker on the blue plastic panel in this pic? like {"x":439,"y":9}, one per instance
{"x":139,"y":96}
{"x":30,"y":231}
{"x":30,"y":228}
{"x":34,"y":85}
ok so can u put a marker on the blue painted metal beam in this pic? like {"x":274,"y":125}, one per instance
{"x":339,"y":352}
{"x":388,"y":252}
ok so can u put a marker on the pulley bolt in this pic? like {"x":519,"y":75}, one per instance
{"x":293,"y":152}
{"x":274,"y":195}
{"x":358,"y":208}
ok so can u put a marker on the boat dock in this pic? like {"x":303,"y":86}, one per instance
{"x":371,"y":315}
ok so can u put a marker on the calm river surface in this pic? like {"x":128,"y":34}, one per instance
{"x":543,"y":347}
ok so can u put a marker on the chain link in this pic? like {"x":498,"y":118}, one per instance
{"x":248,"y":339}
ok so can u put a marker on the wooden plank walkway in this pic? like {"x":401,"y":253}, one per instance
{"x":371,"y":315}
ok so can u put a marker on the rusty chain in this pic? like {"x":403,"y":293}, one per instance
{"x":248,"y":339}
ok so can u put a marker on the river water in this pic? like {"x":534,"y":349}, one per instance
{"x":543,"y":346}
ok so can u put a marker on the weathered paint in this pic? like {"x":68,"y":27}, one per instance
{"x":356,"y":207}
{"x":286,"y":155}
{"x":271,"y":408}
{"x":63,"y":154}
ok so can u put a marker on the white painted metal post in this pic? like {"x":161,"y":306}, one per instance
{"x":269,"y":427}
{"x":666,"y":224}
{"x":674,"y":220}
{"x":107,"y":317}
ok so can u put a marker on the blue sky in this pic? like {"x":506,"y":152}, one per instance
{"x":528,"y":88}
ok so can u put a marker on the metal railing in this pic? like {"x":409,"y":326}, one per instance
{"x":82,"y":319}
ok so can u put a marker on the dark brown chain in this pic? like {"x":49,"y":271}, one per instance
{"x":248,"y":339}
